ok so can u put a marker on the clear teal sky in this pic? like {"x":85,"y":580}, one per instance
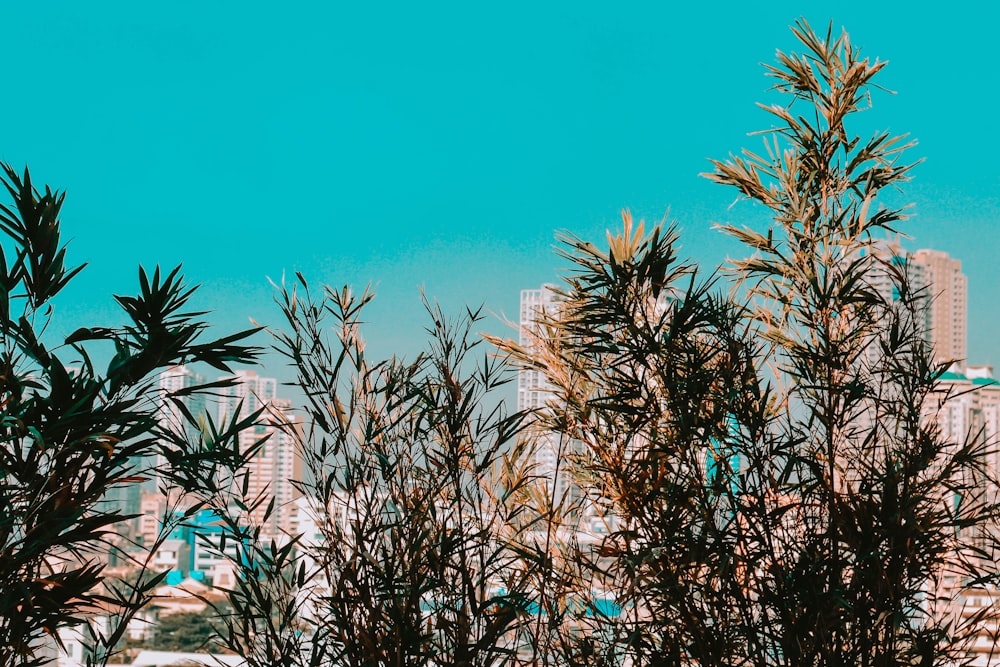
{"x":425,"y":144}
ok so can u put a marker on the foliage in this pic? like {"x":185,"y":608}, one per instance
{"x":777,"y":489}
{"x":72,"y":434}
{"x":408,"y":477}
{"x":187,"y":632}
{"x":763,"y":466}
{"x":646,"y":368}
{"x":853,"y":525}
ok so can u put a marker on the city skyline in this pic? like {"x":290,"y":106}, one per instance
{"x":271,"y":473}
{"x":967,"y":400}
{"x":683,"y":478}
{"x":444,"y":148}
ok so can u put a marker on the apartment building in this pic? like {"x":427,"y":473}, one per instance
{"x":948,"y":307}
{"x":276,"y":464}
{"x":534,"y":392}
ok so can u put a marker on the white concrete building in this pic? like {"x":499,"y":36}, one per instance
{"x":532,"y":389}
{"x":534,"y":392}
{"x":172,"y":555}
{"x":209,"y":560}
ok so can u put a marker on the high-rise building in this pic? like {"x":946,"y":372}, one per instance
{"x":272,"y":470}
{"x":248,"y":393}
{"x":944,"y":316}
{"x":891,"y":254}
{"x":883,"y":276}
{"x":532,"y":389}
{"x":947,"y":314}
{"x":534,"y":392}
{"x":174,"y":380}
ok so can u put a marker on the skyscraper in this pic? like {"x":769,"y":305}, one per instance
{"x":944,"y":315}
{"x":533,"y":391}
{"x":171,"y":418}
{"x":947,"y":314}
{"x":148,"y":501}
{"x":249,"y":393}
{"x":173,"y":380}
{"x":271,"y":471}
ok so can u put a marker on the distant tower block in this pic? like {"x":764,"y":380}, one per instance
{"x":948,"y":312}
{"x":277,"y":463}
{"x":532,"y":389}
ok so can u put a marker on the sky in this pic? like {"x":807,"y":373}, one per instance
{"x":441,"y":147}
